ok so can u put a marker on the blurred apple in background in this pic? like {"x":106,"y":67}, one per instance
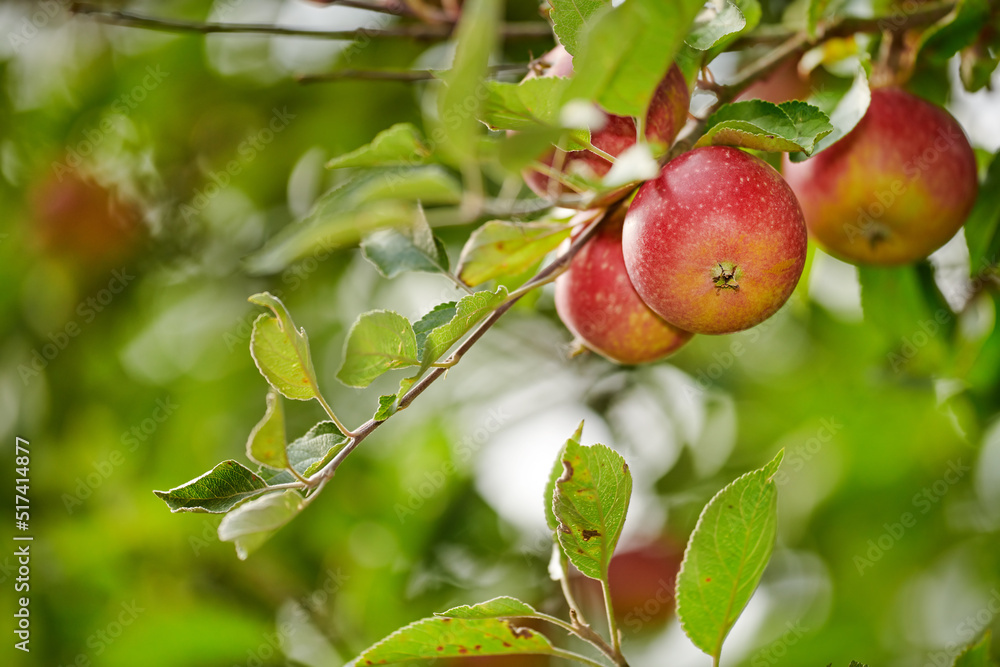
{"x":76,"y":218}
{"x":642,"y":586}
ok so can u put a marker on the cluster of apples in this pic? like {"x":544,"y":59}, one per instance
{"x":716,"y":243}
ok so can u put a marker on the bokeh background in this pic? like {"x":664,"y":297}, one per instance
{"x":124,"y":361}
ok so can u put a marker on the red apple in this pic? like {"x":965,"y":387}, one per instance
{"x":781,"y":85}
{"x":642,"y":586}
{"x":664,"y":119}
{"x":75,"y":216}
{"x":894,"y":189}
{"x":596,"y":301}
{"x":716,"y":243}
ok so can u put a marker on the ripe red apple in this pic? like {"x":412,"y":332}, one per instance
{"x":664,"y":119}
{"x":596,"y":301}
{"x":716,"y":243}
{"x":895,"y":188}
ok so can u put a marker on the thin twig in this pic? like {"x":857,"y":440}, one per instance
{"x":388,"y":7}
{"x":540,"y":278}
{"x":923,"y":15}
{"x":420,"y":31}
{"x":407,"y":75}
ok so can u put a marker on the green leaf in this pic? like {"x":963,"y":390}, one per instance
{"x":717,"y":20}
{"x":570,"y":17}
{"x":462,"y":97}
{"x":386,"y":407}
{"x":726,"y":556}
{"x":982,"y":228}
{"x":369,"y":200}
{"x":855,"y":663}
{"x":379,"y":341}
{"x":792,"y":126}
{"x":958,"y":29}
{"x":266,"y":444}
{"x":469,"y":310}
{"x":980,"y":60}
{"x":624,"y":54}
{"x":281,"y":351}
{"x":892,"y":299}
{"x":433,"y":638}
{"x":309,"y":453}
{"x":977,"y":654}
{"x":251,"y":524}
{"x":430,"y":184}
{"x":315,"y":449}
{"x":400,"y":145}
{"x":216,"y":492}
{"x":501,"y":607}
{"x":501,"y":248}
{"x":849,"y":109}
{"x":590,"y":502}
{"x":438,"y":316}
{"x":525,"y":105}
{"x":817,"y":11}
{"x":394,"y":251}
{"x":554,"y":475}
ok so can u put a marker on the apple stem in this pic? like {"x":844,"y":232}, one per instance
{"x":597,"y":151}
{"x":612,"y":624}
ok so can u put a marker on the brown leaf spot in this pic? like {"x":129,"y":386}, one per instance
{"x":521,"y":633}
{"x":463,"y":650}
{"x":440,"y":648}
{"x":708,"y":579}
{"x":587,"y":534}
{"x":478,"y":647}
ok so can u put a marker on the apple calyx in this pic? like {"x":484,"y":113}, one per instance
{"x":725,"y":277}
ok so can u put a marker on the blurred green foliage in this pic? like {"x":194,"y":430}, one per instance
{"x":125,"y":364}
